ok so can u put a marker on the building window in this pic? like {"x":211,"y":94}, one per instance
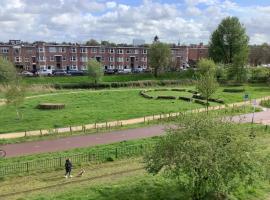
{"x":136,"y":51}
{"x":73,"y":58}
{"x":136,"y":59}
{"x":111,"y":59}
{"x":4,"y":50}
{"x":120,"y":51}
{"x":33,"y":59}
{"x":43,"y":67}
{"x":83,"y":50}
{"x":64,"y":58}
{"x":84,"y":59}
{"x":74,"y":67}
{"x":102,"y":59}
{"x":51,"y":58}
{"x":29,"y":51}
{"x":94,"y":50}
{"x":111,"y":50}
{"x":52,"y":49}
{"x":102,"y":50}
{"x":41,"y":49}
{"x":83,"y":67}
{"x":127,"y":59}
{"x":144,"y":51}
{"x":144,"y":59}
{"x":26,"y":59}
{"x":73,"y":50}
{"x":62,"y":49}
{"x":120,"y":59}
{"x":41,"y":58}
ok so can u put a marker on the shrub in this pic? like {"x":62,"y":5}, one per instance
{"x":185,"y":98}
{"x":178,"y":90}
{"x":217,"y":100}
{"x":166,"y":97}
{"x":265,"y":103}
{"x":192,"y":91}
{"x":197,"y":96}
{"x":201,"y":102}
{"x":234,"y":90}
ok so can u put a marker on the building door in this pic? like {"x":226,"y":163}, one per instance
{"x":98,"y":58}
{"x":132,"y":63}
{"x":58,"y":60}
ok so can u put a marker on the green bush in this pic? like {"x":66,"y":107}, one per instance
{"x":185,"y":98}
{"x":234,"y":90}
{"x":166,"y":97}
{"x":265,"y":103}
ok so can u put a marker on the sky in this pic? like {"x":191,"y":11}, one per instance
{"x":121,"y":21}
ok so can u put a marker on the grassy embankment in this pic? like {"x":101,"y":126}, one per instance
{"x":88,"y":107}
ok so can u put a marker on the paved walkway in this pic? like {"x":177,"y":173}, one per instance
{"x":258,"y":117}
{"x":120,"y":122}
{"x":73,"y":142}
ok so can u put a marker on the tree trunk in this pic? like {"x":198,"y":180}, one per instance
{"x":156,"y":72}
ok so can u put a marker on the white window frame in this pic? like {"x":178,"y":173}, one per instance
{"x":73,"y":58}
{"x":52,"y":49}
{"x":93,"y":50}
{"x":5,"y":50}
{"x":111,"y":59}
{"x":52,"y":58}
{"x":111,"y":51}
{"x":73,"y":50}
{"x":62,"y":49}
{"x":144,"y":51}
{"x":83,"y":50}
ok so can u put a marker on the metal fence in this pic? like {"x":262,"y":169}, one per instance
{"x":77,"y":159}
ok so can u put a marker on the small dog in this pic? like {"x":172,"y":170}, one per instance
{"x":81,"y":173}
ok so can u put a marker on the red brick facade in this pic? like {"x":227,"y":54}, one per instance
{"x":41,"y":55}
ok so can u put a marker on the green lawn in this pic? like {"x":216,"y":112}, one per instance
{"x":100,"y":106}
{"x":169,"y":93}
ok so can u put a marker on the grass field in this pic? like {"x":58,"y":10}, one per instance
{"x":108,"y":78}
{"x":87,"y":107}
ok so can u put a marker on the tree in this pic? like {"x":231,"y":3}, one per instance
{"x":208,"y":156}
{"x":92,"y":42}
{"x":159,"y":56}
{"x":15,"y":96}
{"x":7,"y":71}
{"x":206,"y":83}
{"x":228,"y":40}
{"x":95,"y":70}
{"x":237,"y":70}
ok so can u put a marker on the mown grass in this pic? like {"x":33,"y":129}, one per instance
{"x":100,"y":106}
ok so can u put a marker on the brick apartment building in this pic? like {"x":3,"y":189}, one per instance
{"x":41,"y":55}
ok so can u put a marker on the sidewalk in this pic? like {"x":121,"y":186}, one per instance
{"x":122,"y":122}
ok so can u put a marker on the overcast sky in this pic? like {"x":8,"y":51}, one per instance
{"x":120,"y":21}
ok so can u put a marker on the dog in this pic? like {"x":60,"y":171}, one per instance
{"x":81,"y":173}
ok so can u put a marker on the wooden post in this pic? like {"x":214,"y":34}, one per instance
{"x":106,"y":125}
{"x":144,"y":119}
{"x":70,"y":129}
{"x":40,"y":132}
{"x":25,"y":134}
{"x":95,"y":125}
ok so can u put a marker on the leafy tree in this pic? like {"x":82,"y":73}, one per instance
{"x":237,"y":70}
{"x":15,"y":96}
{"x":92,"y":42}
{"x":159,"y":56}
{"x":207,"y":83}
{"x":228,"y":40}
{"x":95,"y":70}
{"x":7,"y":71}
{"x":208,"y":156}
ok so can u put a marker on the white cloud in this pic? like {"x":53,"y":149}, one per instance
{"x":79,"y":20}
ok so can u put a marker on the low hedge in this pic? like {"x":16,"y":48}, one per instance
{"x":145,"y":95}
{"x":185,"y":98}
{"x":122,"y":84}
{"x":234,"y":90}
{"x":192,"y":91}
{"x":201,"y":102}
{"x":178,"y":90}
{"x":217,"y":100}
{"x":197,"y":96}
{"x":166,"y":97}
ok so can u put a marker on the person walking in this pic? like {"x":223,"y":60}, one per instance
{"x":68,"y":167}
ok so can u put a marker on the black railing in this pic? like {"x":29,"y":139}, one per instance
{"x":77,"y":159}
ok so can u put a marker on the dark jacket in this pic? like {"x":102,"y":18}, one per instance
{"x":68,"y":165}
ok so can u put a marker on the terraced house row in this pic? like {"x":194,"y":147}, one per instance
{"x":42,"y":55}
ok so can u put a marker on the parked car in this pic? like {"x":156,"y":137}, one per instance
{"x":59,"y":72}
{"x":44,"y":72}
{"x":127,"y":71}
{"x":76,"y":72}
{"x":109,"y":71}
{"x":137,"y":70}
{"x":26,"y":73}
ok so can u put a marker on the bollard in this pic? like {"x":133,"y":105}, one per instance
{"x":25,"y":134}
{"x":40,"y":132}
{"x":106,"y":125}
{"x":70,"y":129}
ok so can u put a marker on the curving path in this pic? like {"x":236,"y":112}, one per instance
{"x":73,"y":142}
